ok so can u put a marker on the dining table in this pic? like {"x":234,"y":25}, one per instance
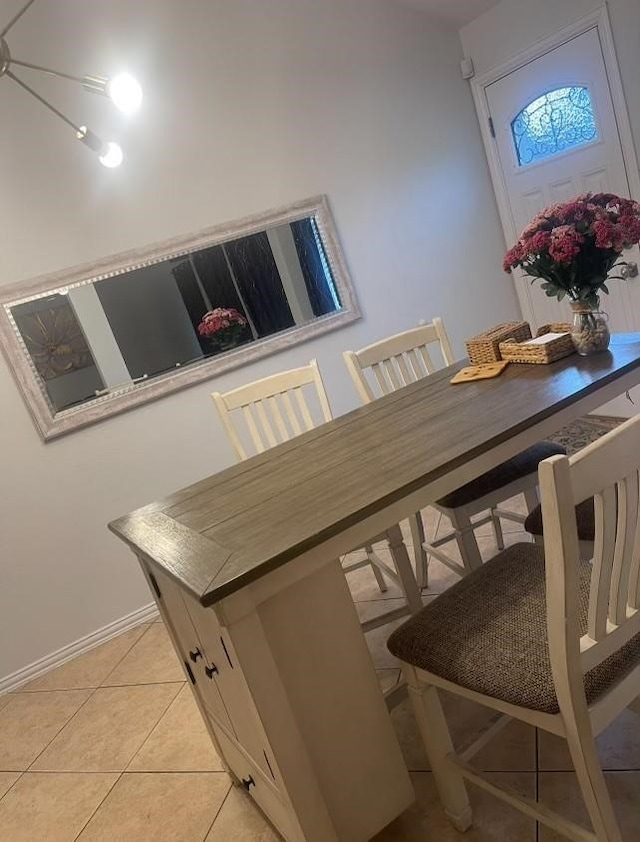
{"x":245,"y":569}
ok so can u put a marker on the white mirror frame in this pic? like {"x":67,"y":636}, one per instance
{"x":52,"y":424}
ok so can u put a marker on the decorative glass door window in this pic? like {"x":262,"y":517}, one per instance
{"x":553,"y":123}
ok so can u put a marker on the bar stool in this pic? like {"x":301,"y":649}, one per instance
{"x":387,"y":365}
{"x":539,"y":635}
{"x":272,"y":410}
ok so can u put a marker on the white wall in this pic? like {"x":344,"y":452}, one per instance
{"x":249,"y":105}
{"x":514,"y":25}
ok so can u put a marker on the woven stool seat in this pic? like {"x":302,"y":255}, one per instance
{"x":519,"y":466}
{"x":488,"y":633}
{"x":585,"y":521}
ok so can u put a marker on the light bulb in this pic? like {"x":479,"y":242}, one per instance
{"x":125,"y":93}
{"x":111,"y":155}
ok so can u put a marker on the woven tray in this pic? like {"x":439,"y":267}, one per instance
{"x":484,"y":348}
{"x":540,"y":353}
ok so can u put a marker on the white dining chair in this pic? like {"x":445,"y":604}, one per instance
{"x":397,"y":361}
{"x":270,"y":411}
{"x":542,"y":636}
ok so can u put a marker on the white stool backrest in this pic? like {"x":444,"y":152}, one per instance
{"x":607,"y":470}
{"x":391,"y":363}
{"x":272,"y":410}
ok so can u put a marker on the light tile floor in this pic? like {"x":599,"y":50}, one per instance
{"x":110,"y":746}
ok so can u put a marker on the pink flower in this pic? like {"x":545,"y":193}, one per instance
{"x":220,"y":319}
{"x":513,"y":257}
{"x":565,"y":243}
{"x":604,"y":232}
{"x":540,"y":241}
{"x":573,"y":245}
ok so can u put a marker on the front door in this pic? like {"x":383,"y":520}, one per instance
{"x":556,"y":136}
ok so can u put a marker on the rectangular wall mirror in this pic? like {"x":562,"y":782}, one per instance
{"x":95,"y":340}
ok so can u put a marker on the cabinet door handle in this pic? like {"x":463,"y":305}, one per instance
{"x":211,"y":671}
{"x":194,"y":654}
{"x":247,"y":783}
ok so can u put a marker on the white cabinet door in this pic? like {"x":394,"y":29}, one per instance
{"x":230,"y":680}
{"x":189,"y":646}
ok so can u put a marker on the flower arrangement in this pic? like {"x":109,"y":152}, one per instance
{"x":572,"y":247}
{"x":223,"y":326}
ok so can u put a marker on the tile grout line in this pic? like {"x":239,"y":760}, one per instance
{"x":219,"y":810}
{"x":91,"y":771}
{"x":20,"y":775}
{"x":94,"y":690}
{"x":107,"y":794}
{"x":81,"y":655}
{"x":71,"y":718}
{"x":135,"y":643}
{"x":91,"y":695}
{"x":144,"y":742}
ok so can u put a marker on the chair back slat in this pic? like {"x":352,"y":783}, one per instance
{"x":426,"y":359}
{"x":634,"y":572}
{"x":406,"y":372}
{"x":278,"y":419}
{"x":304,"y":409}
{"x":397,"y":361}
{"x":602,"y":471}
{"x":265,"y":424}
{"x":605,"y":519}
{"x":292,"y":418}
{"x":254,"y":432}
{"x":625,"y":534}
{"x":392,"y":373}
{"x":416,"y":364}
{"x":381,"y":379}
{"x":263,"y":414}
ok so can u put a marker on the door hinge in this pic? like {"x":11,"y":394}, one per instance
{"x":192,"y":677}
{"x":155,"y":586}
{"x":492,"y":127}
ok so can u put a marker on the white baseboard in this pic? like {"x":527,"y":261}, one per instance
{"x":146,"y":614}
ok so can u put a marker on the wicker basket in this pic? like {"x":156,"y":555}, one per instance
{"x":544,"y":353}
{"x":484,"y":348}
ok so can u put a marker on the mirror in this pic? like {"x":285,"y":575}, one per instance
{"x":99,"y":339}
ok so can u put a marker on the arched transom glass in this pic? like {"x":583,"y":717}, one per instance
{"x":554,"y":122}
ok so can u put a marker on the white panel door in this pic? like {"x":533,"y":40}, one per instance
{"x":590,"y":159}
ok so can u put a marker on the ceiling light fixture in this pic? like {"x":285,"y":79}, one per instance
{"x":123,"y":90}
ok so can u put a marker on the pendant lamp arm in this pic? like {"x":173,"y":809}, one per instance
{"x":95,"y":84}
{"x":16,"y":18}
{"x":41,"y":99}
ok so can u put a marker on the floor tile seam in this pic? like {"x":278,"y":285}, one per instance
{"x":55,"y":690}
{"x":141,"y":684}
{"x":219,"y":810}
{"x":20,"y":775}
{"x":604,"y":769}
{"x":60,"y":730}
{"x":379,"y":599}
{"x":175,"y":772}
{"x":98,"y":806}
{"x":135,"y":643}
{"x":158,"y":721}
{"x":81,"y":655}
{"x":108,"y":771}
{"x":148,"y":737}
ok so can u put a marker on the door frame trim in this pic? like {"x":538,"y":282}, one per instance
{"x":599,"y":20}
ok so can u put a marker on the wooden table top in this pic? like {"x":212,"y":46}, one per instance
{"x":228,"y":530}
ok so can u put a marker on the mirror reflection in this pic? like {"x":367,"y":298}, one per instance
{"x":91,"y":339}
